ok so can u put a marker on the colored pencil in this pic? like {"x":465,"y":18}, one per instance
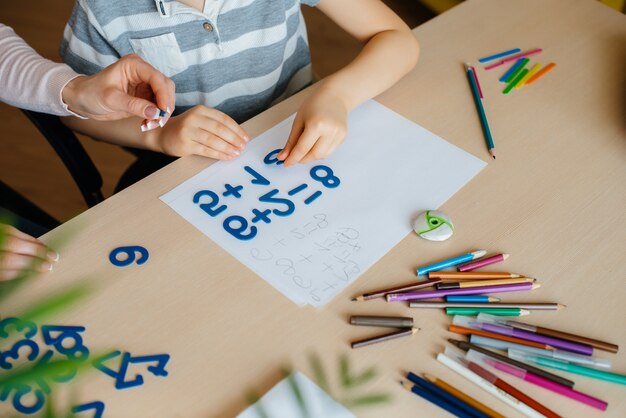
{"x":465,"y":346}
{"x":462,"y":396}
{"x":469,"y":331}
{"x":473,"y":265}
{"x":520,"y":305}
{"x":471,"y":299}
{"x":451,"y":262}
{"x":568,"y":367}
{"x":521,"y":396}
{"x":551,"y":386}
{"x":442,"y":394}
{"x":478,"y":283}
{"x":513,"y":58}
{"x":519,"y":68}
{"x":461,"y":369}
{"x":397,"y":289}
{"x":382,"y":321}
{"x":529,"y":74}
{"x":491,"y":311}
{"x":430,"y":397}
{"x":514,"y":83}
{"x":399,"y":297}
{"x":541,"y":73}
{"x":499,"y":55}
{"x":531,"y":336}
{"x":482,"y":116}
{"x":480,"y":91}
{"x":471,"y":275}
{"x":556,"y":354}
{"x":601,"y":345}
{"x":515,"y":68}
{"x":385,"y":337}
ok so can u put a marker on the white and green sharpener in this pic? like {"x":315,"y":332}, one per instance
{"x":433,"y":226}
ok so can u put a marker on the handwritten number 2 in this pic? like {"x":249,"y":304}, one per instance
{"x":210,"y":206}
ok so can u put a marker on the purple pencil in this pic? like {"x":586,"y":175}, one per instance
{"x":482,"y":290}
{"x":531,"y":336}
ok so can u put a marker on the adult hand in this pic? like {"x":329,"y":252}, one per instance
{"x":128,"y":87}
{"x":21,"y":253}
{"x":320,"y":126}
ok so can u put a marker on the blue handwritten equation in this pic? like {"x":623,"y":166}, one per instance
{"x":273,"y":203}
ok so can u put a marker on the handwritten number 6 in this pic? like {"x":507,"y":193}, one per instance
{"x":209,"y":207}
{"x":238,"y":232}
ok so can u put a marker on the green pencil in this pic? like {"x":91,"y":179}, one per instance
{"x":567,"y":367}
{"x":490,"y":311}
{"x":481,"y":110}
{"x":516,"y":81}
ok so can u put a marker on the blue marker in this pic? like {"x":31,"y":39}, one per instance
{"x":500,"y":55}
{"x":451,"y":262}
{"x":471,"y":299}
{"x":514,"y":68}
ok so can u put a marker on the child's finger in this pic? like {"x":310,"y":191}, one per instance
{"x":209,"y":139}
{"x":320,"y":151}
{"x":227,"y":121}
{"x":204,"y":151}
{"x":296,"y":131}
{"x":218,"y":129}
{"x":306,"y":141}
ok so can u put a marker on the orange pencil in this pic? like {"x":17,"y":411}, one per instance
{"x":541,"y":73}
{"x":462,"y":396}
{"x":465,"y":331}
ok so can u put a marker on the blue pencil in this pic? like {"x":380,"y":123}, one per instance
{"x":499,"y":55}
{"x":451,"y":262}
{"x":471,"y":299}
{"x":511,"y":70}
{"x":436,"y":400}
{"x":425,"y":384}
{"x":481,"y":110}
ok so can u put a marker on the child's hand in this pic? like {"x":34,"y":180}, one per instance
{"x":202,"y":131}
{"x":320,"y":126}
{"x":21,"y":253}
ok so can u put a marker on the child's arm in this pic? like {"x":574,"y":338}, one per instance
{"x":390,"y":51}
{"x":200,"y":130}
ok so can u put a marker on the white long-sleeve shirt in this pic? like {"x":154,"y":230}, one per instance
{"x":29,"y":81}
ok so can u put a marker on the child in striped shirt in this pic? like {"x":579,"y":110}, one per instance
{"x":232,"y":59}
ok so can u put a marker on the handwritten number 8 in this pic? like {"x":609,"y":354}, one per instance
{"x":238,"y":232}
{"x":329,"y":179}
{"x":209,"y":207}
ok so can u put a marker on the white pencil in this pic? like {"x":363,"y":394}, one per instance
{"x":487,"y":386}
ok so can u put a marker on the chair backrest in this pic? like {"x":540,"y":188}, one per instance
{"x":72,"y":153}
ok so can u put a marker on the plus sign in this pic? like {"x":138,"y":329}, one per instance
{"x":232,"y":191}
{"x":261,"y":216}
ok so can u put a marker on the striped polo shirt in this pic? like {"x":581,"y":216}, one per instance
{"x":238,"y":56}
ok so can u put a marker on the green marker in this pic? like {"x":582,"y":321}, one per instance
{"x":490,"y":311}
{"x":567,"y":367}
{"x":516,"y":81}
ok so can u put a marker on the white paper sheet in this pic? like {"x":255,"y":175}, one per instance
{"x":388,"y":169}
{"x":281,"y":401}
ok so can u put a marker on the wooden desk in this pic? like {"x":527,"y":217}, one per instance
{"x":555,"y":199}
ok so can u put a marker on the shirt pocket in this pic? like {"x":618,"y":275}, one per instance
{"x":162,"y":52}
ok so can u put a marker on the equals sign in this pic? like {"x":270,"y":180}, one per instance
{"x":309,"y":199}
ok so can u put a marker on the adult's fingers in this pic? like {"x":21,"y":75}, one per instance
{"x":117,"y":101}
{"x":304,"y":144}
{"x":13,"y":261}
{"x":296,"y":131}
{"x":164,"y":89}
{"x":20,"y":243}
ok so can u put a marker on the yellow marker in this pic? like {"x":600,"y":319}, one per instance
{"x":530,"y":73}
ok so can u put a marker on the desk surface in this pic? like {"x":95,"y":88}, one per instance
{"x":554,"y":199}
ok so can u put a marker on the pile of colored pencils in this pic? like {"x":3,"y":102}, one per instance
{"x":467,"y":290}
{"x":517,"y":75}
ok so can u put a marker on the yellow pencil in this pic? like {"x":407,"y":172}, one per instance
{"x":530,"y":73}
{"x":541,"y":73}
{"x":465,"y":398}
{"x":479,"y":283}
